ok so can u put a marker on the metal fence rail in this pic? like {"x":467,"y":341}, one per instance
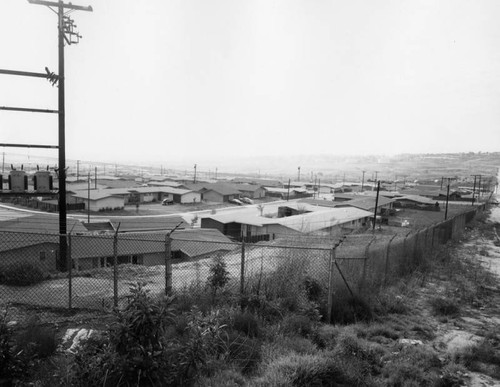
{"x":101,"y":268}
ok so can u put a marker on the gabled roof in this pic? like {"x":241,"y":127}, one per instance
{"x":367,"y":202}
{"x":42,"y":224}
{"x":193,"y":243}
{"x":95,"y":194}
{"x":416,"y":199}
{"x":150,"y":223}
{"x":11,"y":240}
{"x":222,"y":188}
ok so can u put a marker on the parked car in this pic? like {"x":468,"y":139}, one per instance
{"x":246,"y":200}
{"x":167,"y":202}
{"x":236,"y":201}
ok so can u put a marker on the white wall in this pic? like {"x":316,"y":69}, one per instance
{"x":191,"y":197}
{"x":110,"y":202}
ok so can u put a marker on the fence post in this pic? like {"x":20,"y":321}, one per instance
{"x":168,"y":265}
{"x":330,"y":285}
{"x":387,"y":258}
{"x":70,"y":274}
{"x":242,"y":274}
{"x":365,"y":263}
{"x":115,"y":268}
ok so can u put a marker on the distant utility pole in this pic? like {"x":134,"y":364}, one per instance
{"x":194,"y":180}
{"x":376,"y":205}
{"x":77,"y":169}
{"x":215,"y":173}
{"x":363,"y":181}
{"x":479,"y":189}
{"x":95,"y":178}
{"x":66,"y":33}
{"x":474,"y":189}
{"x":447,"y":196}
{"x":298,"y":176}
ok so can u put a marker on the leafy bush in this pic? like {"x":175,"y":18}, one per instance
{"x":313,"y":288}
{"x":21,"y":274}
{"x":39,"y":341}
{"x":243,"y":351}
{"x":348,"y":309}
{"x":246,"y":323}
{"x":219,"y":275}
{"x":13,"y":363}
{"x":297,"y":324}
{"x":443,"y":306}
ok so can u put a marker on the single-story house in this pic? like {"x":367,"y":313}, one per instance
{"x":416,"y":202}
{"x":148,"y":249}
{"x":251,"y":225}
{"x":143,"y":195}
{"x":99,"y":200}
{"x":367,"y":203}
{"x":252,"y":191}
{"x":258,"y":181}
{"x":287,"y":193}
{"x":215,"y":192}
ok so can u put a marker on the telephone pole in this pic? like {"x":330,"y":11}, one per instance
{"x":298,"y":176}
{"x":66,"y":33}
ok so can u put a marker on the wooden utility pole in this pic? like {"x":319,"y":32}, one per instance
{"x":66,"y":34}
{"x":376,"y":205}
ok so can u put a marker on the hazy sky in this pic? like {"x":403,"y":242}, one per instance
{"x":186,"y":80}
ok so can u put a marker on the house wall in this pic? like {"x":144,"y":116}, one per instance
{"x":212,"y":196}
{"x":42,"y":256}
{"x":191,"y":197}
{"x":211,"y":223}
{"x":153,"y":259}
{"x":110,"y":202}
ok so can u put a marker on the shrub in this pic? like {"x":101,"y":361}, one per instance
{"x":297,"y":324}
{"x":413,"y":365}
{"x":244,"y":351}
{"x":313,"y":288}
{"x":39,"y":341}
{"x":452,"y":375}
{"x":219,"y":275}
{"x":348,"y":309}
{"x":442,"y":306}
{"x":21,"y":274}
{"x":246,"y":323}
{"x":13,"y":364}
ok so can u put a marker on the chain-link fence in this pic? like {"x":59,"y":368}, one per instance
{"x":100,"y":269}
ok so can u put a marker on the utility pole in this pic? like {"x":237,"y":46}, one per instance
{"x":88,"y":198}
{"x":298,"y":176}
{"x":65,"y":33}
{"x":194,"y":180}
{"x":474,"y":189}
{"x":447,"y":196}
{"x":77,"y":169}
{"x":215,"y":173}
{"x":363,"y":181}
{"x":479,"y":189}
{"x":95,"y":178}
{"x":376,"y":205}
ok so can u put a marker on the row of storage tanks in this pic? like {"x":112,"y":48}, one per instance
{"x":18,"y":181}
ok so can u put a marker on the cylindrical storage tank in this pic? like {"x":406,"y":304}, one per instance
{"x":18,"y":181}
{"x":42,"y":181}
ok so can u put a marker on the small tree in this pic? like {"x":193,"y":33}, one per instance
{"x":219,"y":275}
{"x":260,"y":207}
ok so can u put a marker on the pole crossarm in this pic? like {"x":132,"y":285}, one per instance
{"x":28,"y":146}
{"x":24,"y":73}
{"x":65,"y":6}
{"x":30,"y":110}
